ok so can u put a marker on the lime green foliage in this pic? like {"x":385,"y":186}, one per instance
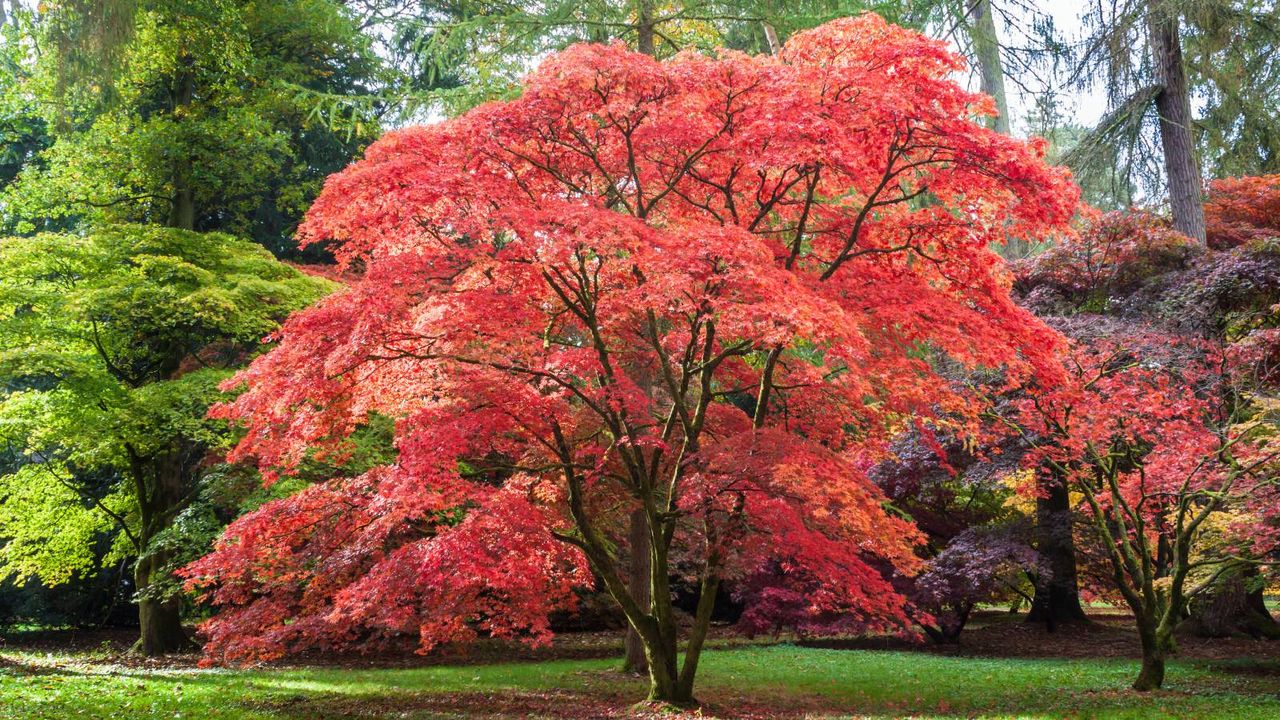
{"x":113,"y":345}
{"x":781,"y":681}
{"x":22,"y":130}
{"x":49,"y":532}
{"x":199,"y":113}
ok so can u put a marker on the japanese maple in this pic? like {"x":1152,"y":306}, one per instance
{"x":1173,"y":471}
{"x":113,"y":343}
{"x":709,"y":288}
{"x":1242,"y":209}
{"x":978,"y":542}
{"x":1113,"y":255}
{"x":980,"y":565}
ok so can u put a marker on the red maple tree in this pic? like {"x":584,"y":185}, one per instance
{"x":709,"y":288}
{"x":1174,"y":469}
{"x":1112,"y":256}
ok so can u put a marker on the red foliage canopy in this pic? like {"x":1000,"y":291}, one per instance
{"x":1113,"y":255}
{"x":1242,"y":209}
{"x":1175,"y":471}
{"x":710,"y":287}
{"x":1150,"y":403}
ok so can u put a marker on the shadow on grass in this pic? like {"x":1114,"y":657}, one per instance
{"x":497,"y":705}
{"x":753,"y":683}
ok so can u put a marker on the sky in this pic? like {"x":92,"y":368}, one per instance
{"x":1081,"y":107}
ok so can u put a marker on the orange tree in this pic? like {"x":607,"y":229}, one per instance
{"x":709,"y":288}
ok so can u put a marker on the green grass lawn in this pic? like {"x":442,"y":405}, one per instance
{"x":761,"y":681}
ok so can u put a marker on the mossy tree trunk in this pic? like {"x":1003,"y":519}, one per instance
{"x":1156,"y":635}
{"x":162,"y":484}
{"x":1150,"y":564}
{"x":1234,"y":605}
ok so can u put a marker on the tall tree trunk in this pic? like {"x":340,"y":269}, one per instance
{"x":771,"y":37}
{"x":182,"y":214}
{"x":645,"y":28}
{"x":1230,"y":608}
{"x":159,"y":619}
{"x":1057,"y":596}
{"x":638,"y":540}
{"x":986,"y":50}
{"x":638,"y":536}
{"x":1174,"y":106}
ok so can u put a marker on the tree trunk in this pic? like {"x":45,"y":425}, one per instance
{"x":1260,"y":623}
{"x":662,"y":657}
{"x":948,"y":623}
{"x":771,"y":37}
{"x":662,"y":646}
{"x":664,"y":677}
{"x":1231,"y":608}
{"x":182,"y":214}
{"x":986,"y":50}
{"x":641,"y":563}
{"x":1156,"y":645}
{"x":638,"y":535}
{"x":645,"y":35}
{"x":985,"y":41}
{"x":1057,"y":596}
{"x":161,"y":486}
{"x":160,"y":620}
{"x":670,"y":683}
{"x":698,"y":634}
{"x":1151,"y":677}
{"x":1173,"y":103}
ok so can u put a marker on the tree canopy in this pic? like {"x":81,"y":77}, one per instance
{"x":198,"y":117}
{"x":113,"y":345}
{"x":674,"y":311}
{"x":706,"y":287}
